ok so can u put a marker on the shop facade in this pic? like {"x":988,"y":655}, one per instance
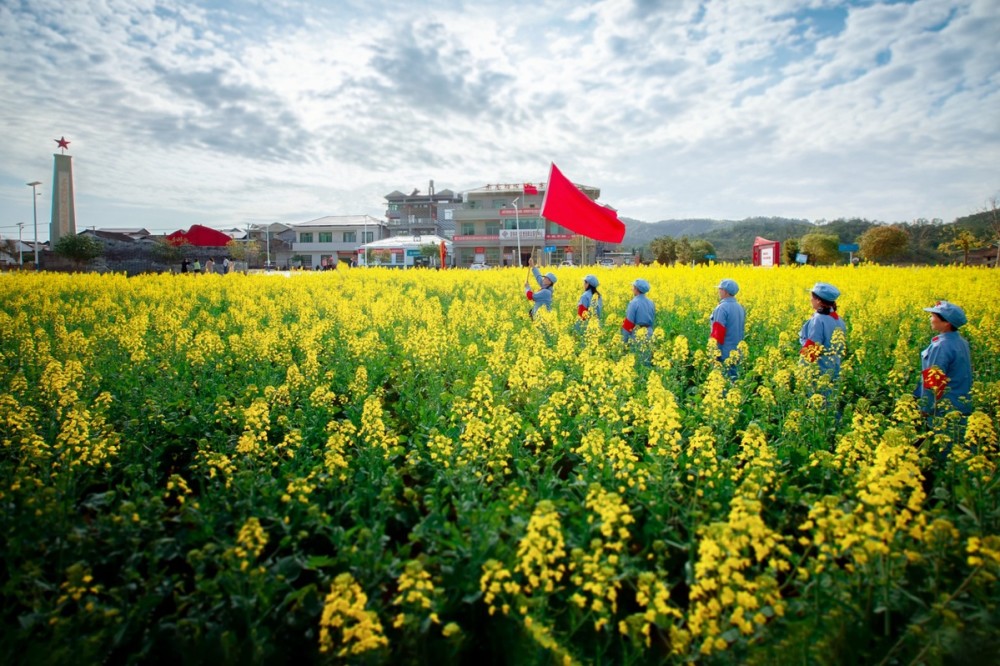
{"x":501,"y":225}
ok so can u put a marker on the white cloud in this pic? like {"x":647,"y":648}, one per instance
{"x":216,"y":113}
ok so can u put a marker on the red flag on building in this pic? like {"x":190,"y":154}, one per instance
{"x":530,"y":189}
{"x":566,"y":205}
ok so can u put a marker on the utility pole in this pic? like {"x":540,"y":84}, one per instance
{"x":20,"y":246}
{"x":34,"y":209}
{"x":517,"y":229}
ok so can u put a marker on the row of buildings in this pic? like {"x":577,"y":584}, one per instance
{"x":497,"y":225}
{"x":494,"y":225}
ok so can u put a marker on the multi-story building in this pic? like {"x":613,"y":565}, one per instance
{"x":499,"y":221}
{"x":335,"y":237}
{"x":422,"y":214}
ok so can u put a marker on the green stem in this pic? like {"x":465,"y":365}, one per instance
{"x":944,"y":604}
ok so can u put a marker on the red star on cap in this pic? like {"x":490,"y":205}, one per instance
{"x":63,"y":143}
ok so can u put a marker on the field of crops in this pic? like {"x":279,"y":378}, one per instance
{"x":383,"y":466}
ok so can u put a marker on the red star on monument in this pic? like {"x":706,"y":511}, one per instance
{"x":63,"y":143}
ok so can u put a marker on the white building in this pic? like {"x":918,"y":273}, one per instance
{"x":335,"y":237}
{"x":402,"y":251}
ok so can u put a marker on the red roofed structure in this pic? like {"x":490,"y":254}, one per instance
{"x":766,"y":252}
{"x":199,"y":236}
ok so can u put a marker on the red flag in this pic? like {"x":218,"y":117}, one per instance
{"x":442,"y":252}
{"x":566,"y":205}
{"x":530,"y":189}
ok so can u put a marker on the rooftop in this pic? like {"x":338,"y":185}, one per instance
{"x":341,"y":221}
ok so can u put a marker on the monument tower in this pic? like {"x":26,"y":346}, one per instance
{"x":63,"y":203}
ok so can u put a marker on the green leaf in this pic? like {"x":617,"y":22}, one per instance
{"x":320,"y":561}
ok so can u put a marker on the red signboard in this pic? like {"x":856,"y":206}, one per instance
{"x":522,"y":212}
{"x":475,"y":238}
{"x":480,"y":249}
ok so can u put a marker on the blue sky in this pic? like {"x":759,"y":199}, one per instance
{"x":224,"y":113}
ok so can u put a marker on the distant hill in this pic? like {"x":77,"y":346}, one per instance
{"x":733,"y":239}
{"x":638,"y":234}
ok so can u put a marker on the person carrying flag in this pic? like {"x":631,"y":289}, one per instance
{"x":728,"y":321}
{"x":640,"y":312}
{"x":816,"y":335}
{"x":946,"y":365}
{"x":542,"y":297}
{"x":586,"y":307}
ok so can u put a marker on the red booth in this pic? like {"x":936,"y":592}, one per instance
{"x":766,"y":252}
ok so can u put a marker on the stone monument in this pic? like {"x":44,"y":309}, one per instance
{"x":63,"y":202}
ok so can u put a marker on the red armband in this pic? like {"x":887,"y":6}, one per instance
{"x":718,"y":332}
{"x":530,"y":295}
{"x":628,"y":325}
{"x":811,"y":351}
{"x":936,"y":380}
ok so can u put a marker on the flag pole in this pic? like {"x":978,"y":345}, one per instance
{"x":517,"y":230}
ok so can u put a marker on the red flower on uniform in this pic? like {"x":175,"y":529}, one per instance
{"x":811,"y":351}
{"x":935,"y":380}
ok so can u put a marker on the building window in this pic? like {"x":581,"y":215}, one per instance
{"x":468,"y":228}
{"x":522,"y":223}
{"x":492,"y":228}
{"x":306,"y":237}
{"x":325,"y":237}
{"x":350,"y":236}
{"x":369,"y":236}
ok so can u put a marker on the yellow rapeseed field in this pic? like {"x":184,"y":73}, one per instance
{"x":367,"y":464}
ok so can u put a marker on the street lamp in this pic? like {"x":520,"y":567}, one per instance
{"x":20,"y":245}
{"x":34,"y":209}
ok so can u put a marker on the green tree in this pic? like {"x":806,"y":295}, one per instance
{"x":170,"y":252}
{"x":244,"y":250}
{"x":80,"y":248}
{"x":685,"y":253}
{"x":820,"y":248}
{"x":963,"y":241}
{"x":993,"y":216}
{"x":883,"y":242}
{"x":790,"y":248}
{"x":664,"y":250}
{"x":700,"y":250}
{"x":432,"y":252}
